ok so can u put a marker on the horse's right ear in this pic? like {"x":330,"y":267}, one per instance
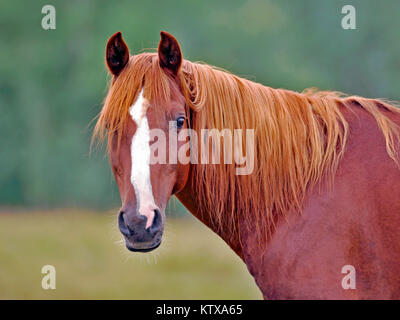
{"x":169,"y":53}
{"x":117,"y":54}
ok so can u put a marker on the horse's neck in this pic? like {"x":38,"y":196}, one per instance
{"x":189,"y":199}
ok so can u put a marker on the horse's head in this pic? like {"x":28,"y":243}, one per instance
{"x":144,"y":101}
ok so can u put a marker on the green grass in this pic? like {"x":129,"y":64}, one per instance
{"x":92,"y":263}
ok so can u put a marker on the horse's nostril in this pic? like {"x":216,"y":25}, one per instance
{"x":134,"y":227}
{"x":123,"y":227}
{"x":157,"y":221}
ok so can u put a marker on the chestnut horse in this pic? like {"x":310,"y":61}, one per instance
{"x":319,"y":214}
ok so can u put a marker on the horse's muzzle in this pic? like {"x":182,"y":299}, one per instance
{"x":138,"y":238}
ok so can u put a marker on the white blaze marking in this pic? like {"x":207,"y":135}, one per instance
{"x":140,"y":159}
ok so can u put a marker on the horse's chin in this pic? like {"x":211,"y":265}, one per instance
{"x":141,"y":248}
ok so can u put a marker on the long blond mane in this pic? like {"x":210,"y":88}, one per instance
{"x":299,"y":137}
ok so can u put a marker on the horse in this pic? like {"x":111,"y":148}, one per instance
{"x":318,"y":217}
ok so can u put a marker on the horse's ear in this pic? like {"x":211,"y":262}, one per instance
{"x":169,"y":53}
{"x":117,"y":53}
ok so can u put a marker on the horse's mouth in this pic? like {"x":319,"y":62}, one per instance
{"x":131,"y":248}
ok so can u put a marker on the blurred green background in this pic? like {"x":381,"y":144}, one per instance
{"x":52,"y":83}
{"x":92,"y":263}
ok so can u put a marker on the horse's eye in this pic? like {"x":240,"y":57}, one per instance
{"x":180,"y":122}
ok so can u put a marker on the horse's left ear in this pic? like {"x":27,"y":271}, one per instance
{"x":169,"y":53}
{"x":117,"y":53}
